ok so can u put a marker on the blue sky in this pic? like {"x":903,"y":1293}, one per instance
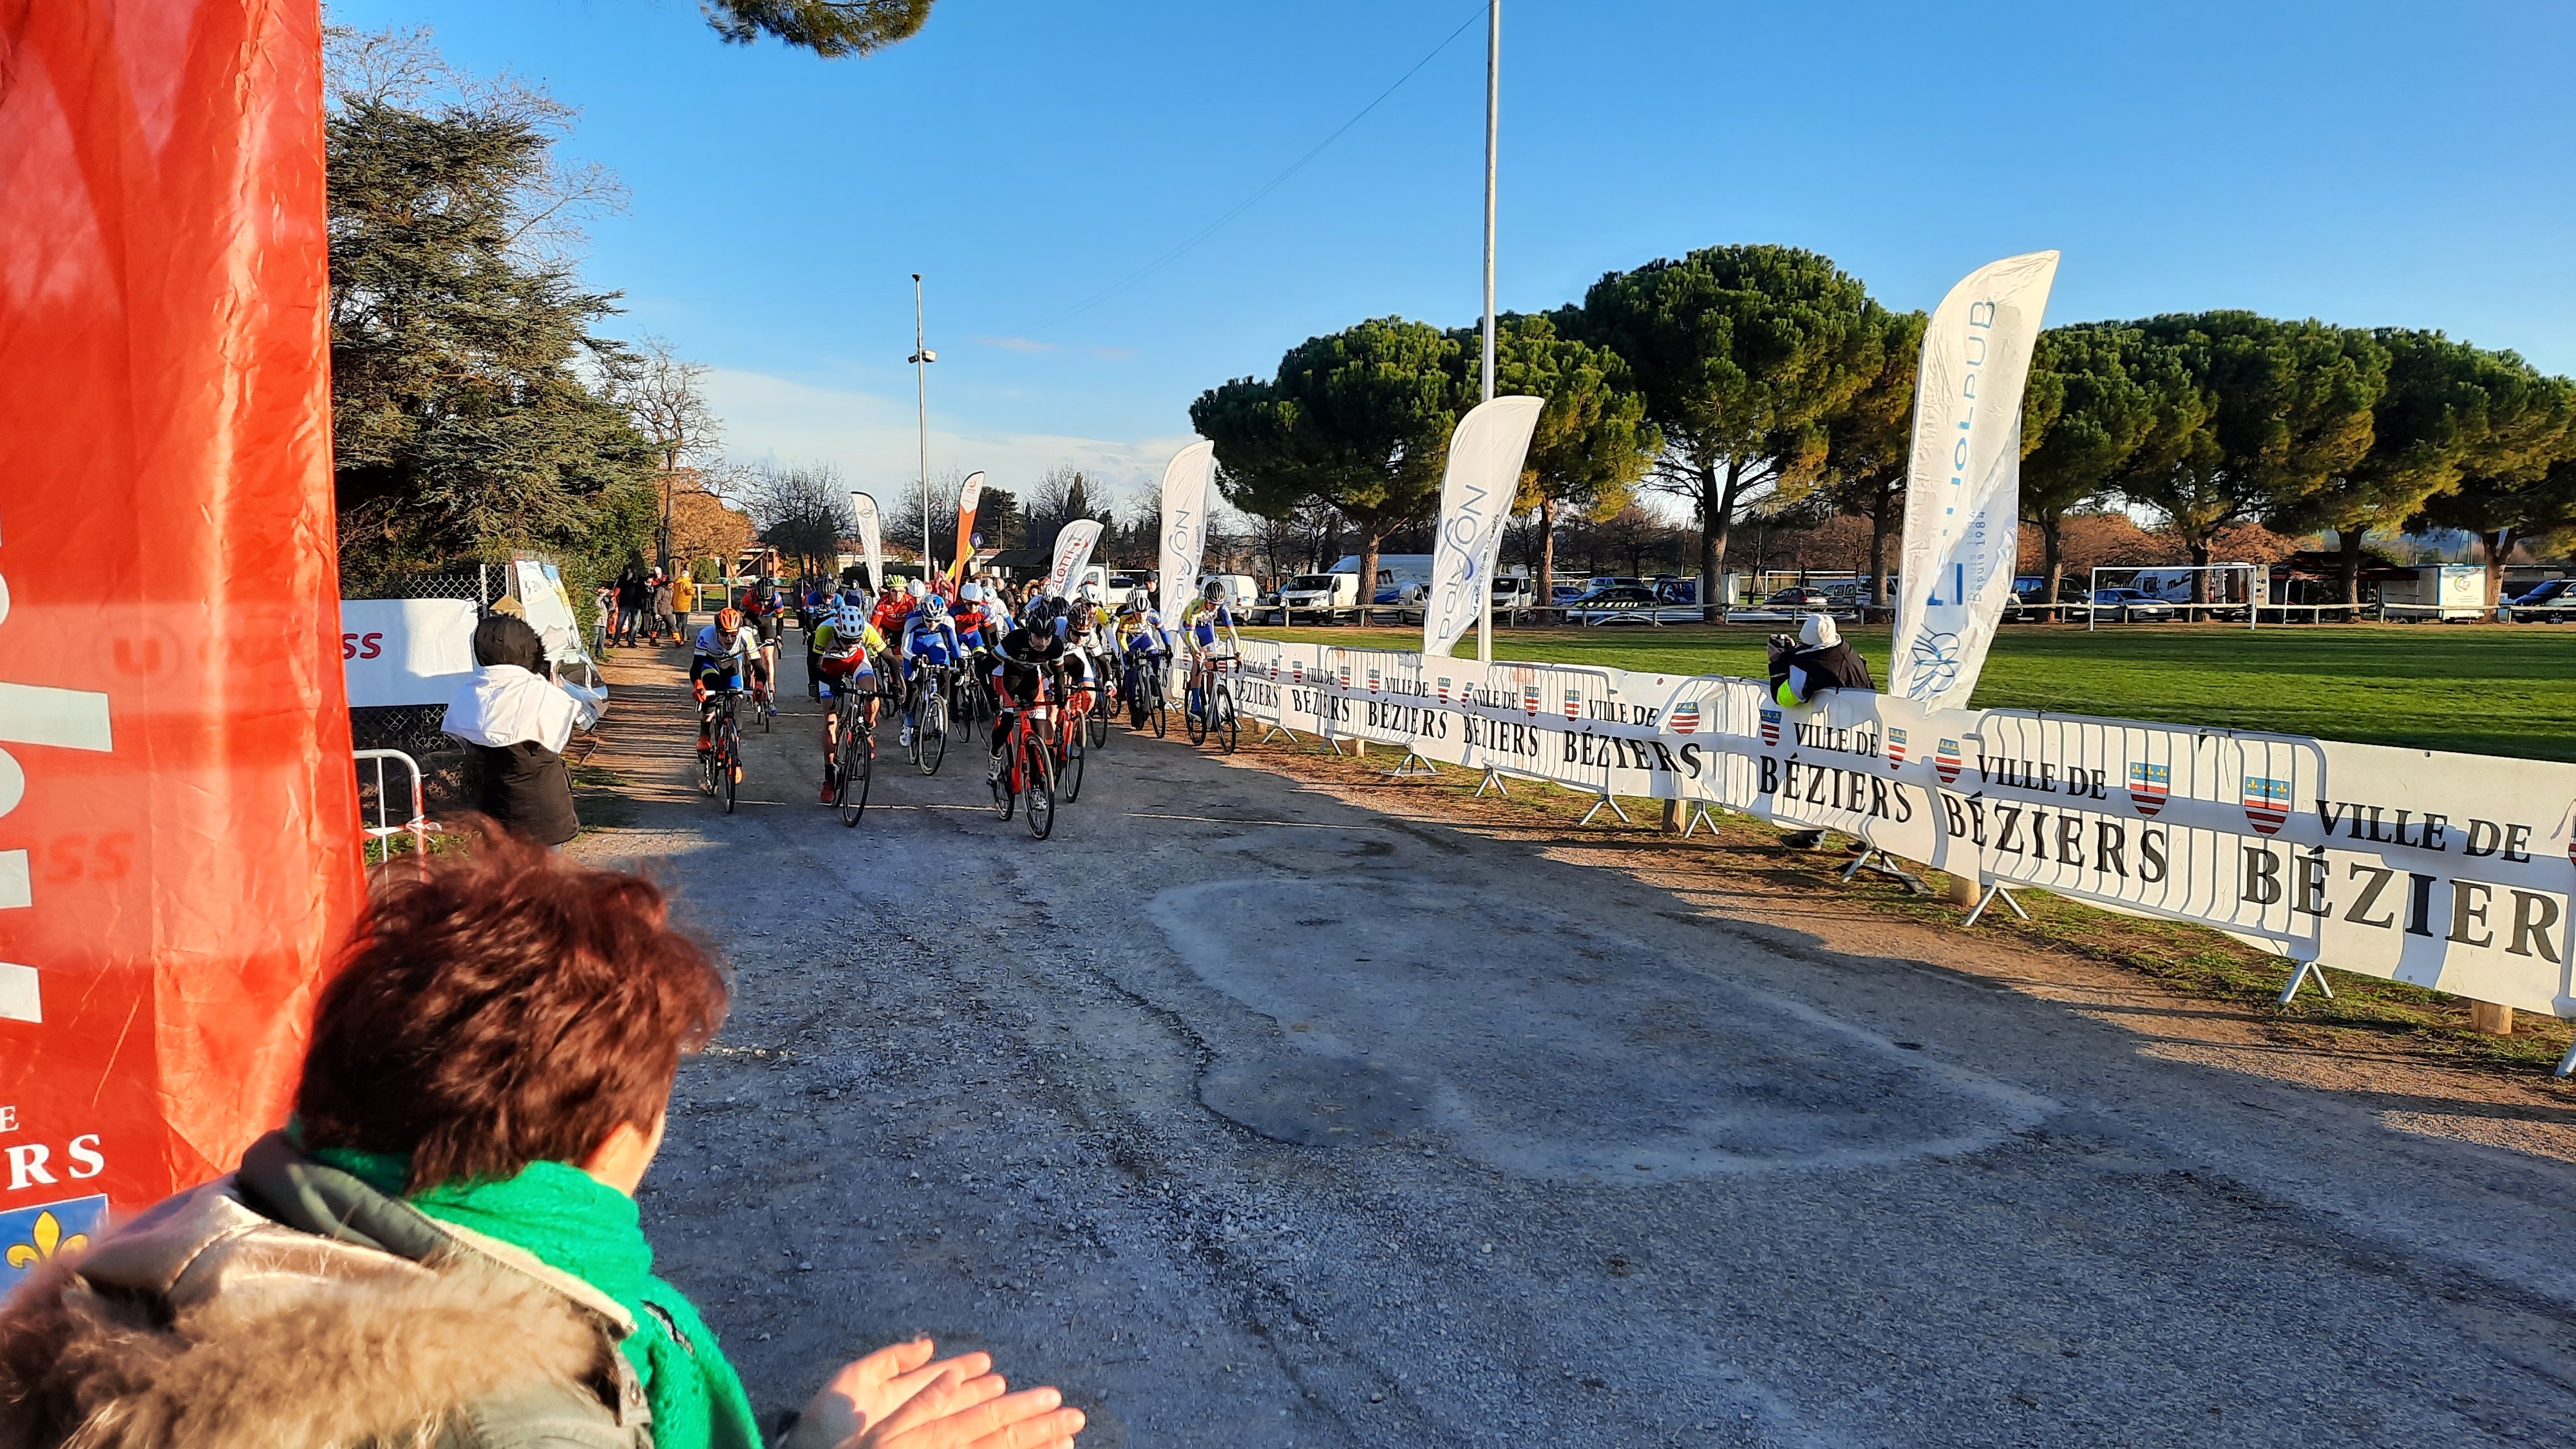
{"x":2360,"y":161}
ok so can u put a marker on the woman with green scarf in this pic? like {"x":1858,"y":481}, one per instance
{"x":442,"y":1248}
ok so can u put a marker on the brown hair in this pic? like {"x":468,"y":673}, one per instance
{"x":499,"y":1006}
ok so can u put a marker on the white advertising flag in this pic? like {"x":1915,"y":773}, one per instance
{"x":1185,"y":490}
{"x":1485,"y":457}
{"x":1073,"y":545}
{"x":871,"y":539}
{"x":1963,"y":488}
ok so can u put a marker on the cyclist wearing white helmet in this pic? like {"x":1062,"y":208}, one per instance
{"x":1141,"y":640}
{"x":928,"y":638}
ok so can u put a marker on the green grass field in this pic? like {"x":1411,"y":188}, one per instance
{"x":2491,"y":690}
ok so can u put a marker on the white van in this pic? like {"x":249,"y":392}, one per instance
{"x":1402,"y":578}
{"x":1317,"y":593}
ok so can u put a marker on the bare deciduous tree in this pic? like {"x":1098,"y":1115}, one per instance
{"x":804,"y":513}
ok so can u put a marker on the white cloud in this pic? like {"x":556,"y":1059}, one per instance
{"x":873,"y":439}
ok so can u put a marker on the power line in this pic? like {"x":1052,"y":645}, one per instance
{"x":1267,"y":187}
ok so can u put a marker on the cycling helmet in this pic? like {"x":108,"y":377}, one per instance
{"x":915,"y":589}
{"x":1090,"y":592}
{"x":1138,"y":601}
{"x":728,"y":619}
{"x":1213,"y":591}
{"x":934,"y":606}
{"x":972,"y":593}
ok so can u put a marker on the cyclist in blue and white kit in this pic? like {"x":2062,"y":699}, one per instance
{"x":726,"y":651}
{"x":928,"y":639}
{"x":1141,"y":640}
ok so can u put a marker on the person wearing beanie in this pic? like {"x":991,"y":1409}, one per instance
{"x":518,"y":720}
{"x":1816,"y":659}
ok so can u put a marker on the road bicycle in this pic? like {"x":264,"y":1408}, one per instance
{"x":971,"y":701}
{"x":1145,"y":703}
{"x":1103,"y":671}
{"x":930,"y":720}
{"x":1210,"y":707}
{"x":720,"y":764}
{"x":1073,"y":722}
{"x":854,"y":760}
{"x":1028,"y":771}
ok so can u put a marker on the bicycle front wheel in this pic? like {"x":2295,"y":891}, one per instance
{"x":1229,"y":730}
{"x":857,"y":764}
{"x":934,"y":732}
{"x":1068,"y":778}
{"x":1037,"y":783}
{"x":1097,"y":721}
{"x":1195,"y":711}
{"x":729,"y":765}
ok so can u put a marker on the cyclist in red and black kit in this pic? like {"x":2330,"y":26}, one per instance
{"x":1027,"y":654}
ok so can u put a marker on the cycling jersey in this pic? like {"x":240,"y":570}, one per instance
{"x":976,"y":624}
{"x":890,"y":614}
{"x":841,"y":656}
{"x":722,"y":656}
{"x":1200,"y":621}
{"x":1143,"y":631}
{"x":932,"y":642}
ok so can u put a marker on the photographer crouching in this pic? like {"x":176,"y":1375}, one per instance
{"x":1815,"y":659}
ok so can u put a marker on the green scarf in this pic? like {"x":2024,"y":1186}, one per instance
{"x":574,"y":1223}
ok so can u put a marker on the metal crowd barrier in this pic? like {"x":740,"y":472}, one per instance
{"x":380,"y":825}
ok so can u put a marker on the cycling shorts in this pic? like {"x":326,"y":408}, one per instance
{"x":928,"y":654}
{"x":715,"y":674}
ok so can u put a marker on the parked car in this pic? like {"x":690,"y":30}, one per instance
{"x":2553,"y":601}
{"x":1799,"y":596}
{"x":1629,"y":604}
{"x":1566,"y":593}
{"x":1515,"y":591}
{"x":2129,"y":606}
{"x":1677,"y":591}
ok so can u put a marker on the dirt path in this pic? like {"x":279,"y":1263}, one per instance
{"x":1267,"y":1105}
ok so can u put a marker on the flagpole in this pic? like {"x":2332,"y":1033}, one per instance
{"x":1493,"y":128}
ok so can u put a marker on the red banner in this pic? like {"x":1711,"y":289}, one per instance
{"x":177,"y":811}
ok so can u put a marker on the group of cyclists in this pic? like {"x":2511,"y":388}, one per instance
{"x":883,"y":648}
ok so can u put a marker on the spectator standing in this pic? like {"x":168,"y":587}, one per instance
{"x":666,"y":623}
{"x":442,"y":1245}
{"x":517,"y":720}
{"x":633,"y":598}
{"x":605,"y":596}
{"x":684,"y":597}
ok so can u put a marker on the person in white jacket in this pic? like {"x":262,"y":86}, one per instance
{"x":518,"y":720}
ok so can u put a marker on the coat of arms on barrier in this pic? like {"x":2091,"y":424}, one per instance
{"x":2149,"y":785}
{"x":2267,"y":803}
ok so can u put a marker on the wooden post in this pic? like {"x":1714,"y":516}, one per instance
{"x":1672,"y":817}
{"x":2490,"y":1018}
{"x":1963,"y":889}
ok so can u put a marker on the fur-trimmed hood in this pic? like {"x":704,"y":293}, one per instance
{"x":211,"y":1325}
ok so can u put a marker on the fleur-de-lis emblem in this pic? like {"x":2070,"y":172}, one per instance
{"x":49,"y":1243}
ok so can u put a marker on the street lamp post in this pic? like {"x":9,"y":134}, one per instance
{"x":921,"y":359}
{"x":1493,"y":132}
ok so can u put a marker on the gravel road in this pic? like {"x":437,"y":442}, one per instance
{"x":1250,"y":1117}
